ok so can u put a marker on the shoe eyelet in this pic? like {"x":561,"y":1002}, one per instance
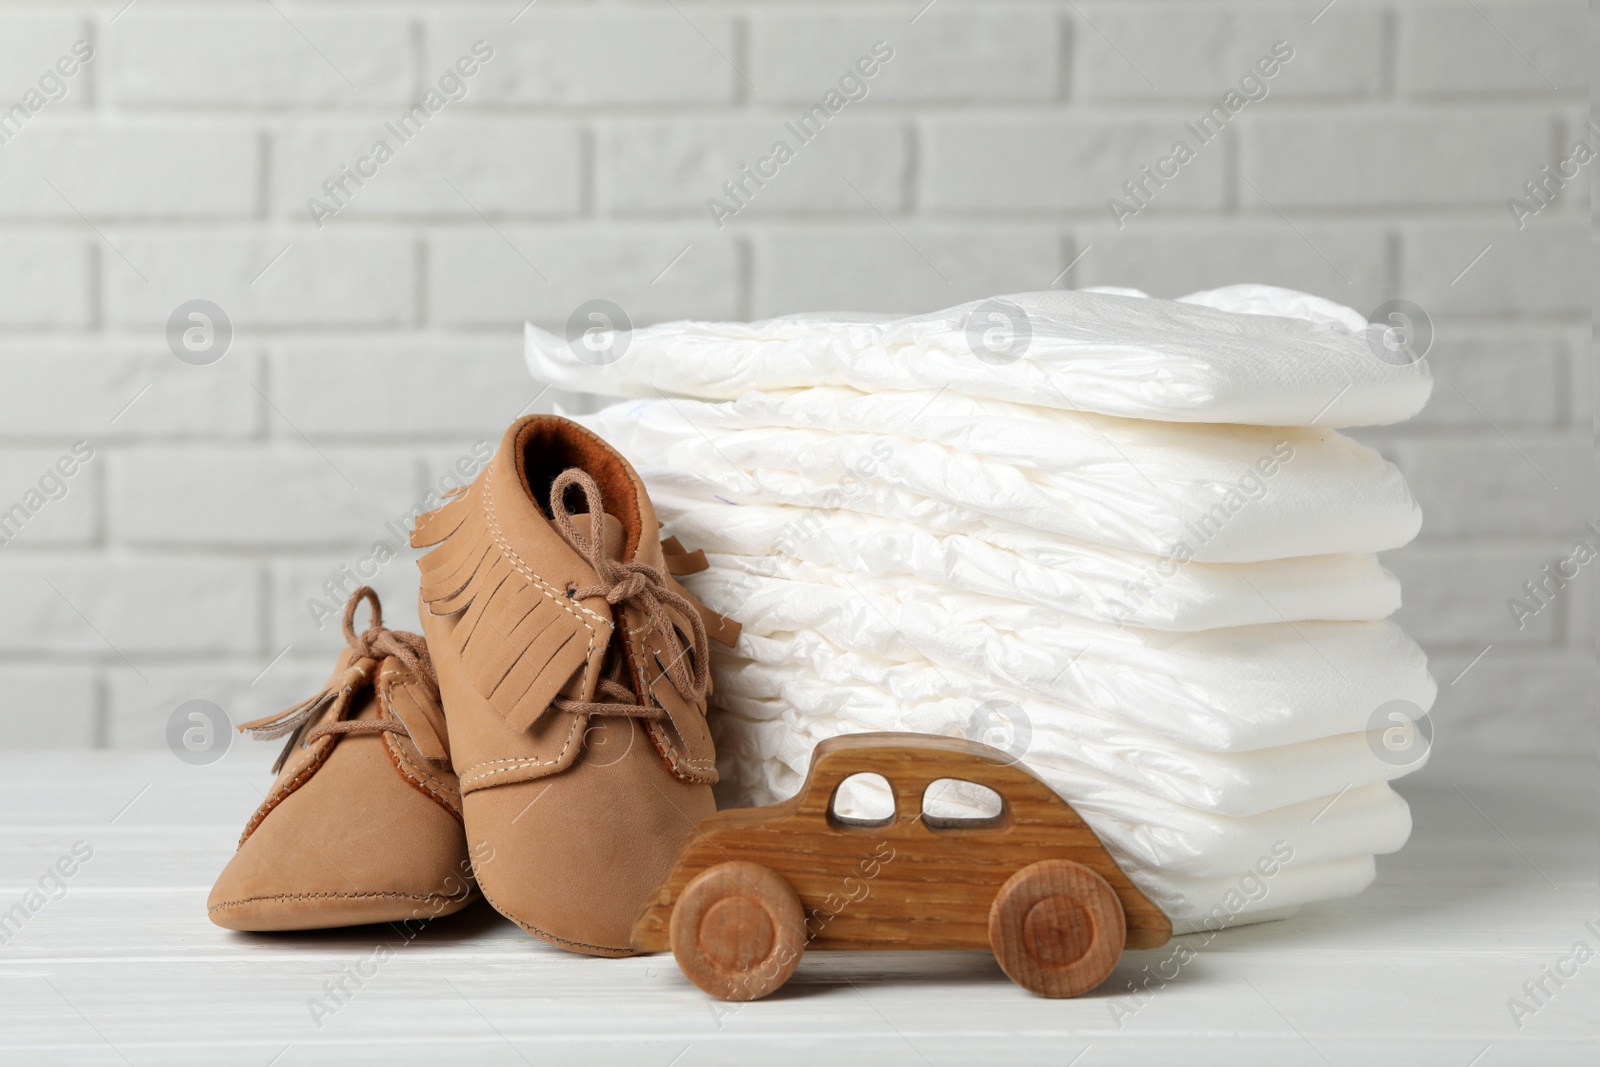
{"x":572,"y":590}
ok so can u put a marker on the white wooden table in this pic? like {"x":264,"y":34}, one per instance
{"x":1497,"y":882}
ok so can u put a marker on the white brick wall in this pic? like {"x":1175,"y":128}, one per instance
{"x":371,"y":353}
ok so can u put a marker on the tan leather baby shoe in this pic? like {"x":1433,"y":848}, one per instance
{"x":363,"y":823}
{"x":574,"y":671}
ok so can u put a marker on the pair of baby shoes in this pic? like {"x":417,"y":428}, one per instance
{"x":544,"y":741}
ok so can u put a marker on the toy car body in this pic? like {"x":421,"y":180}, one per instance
{"x":754,"y":887}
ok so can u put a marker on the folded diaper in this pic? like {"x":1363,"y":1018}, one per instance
{"x":1185,"y":858}
{"x":1209,"y":493}
{"x":777,"y":712}
{"x":1245,"y":354}
{"x":1230,"y":689}
{"x":1088,"y":581}
{"x":1209,"y":904}
{"x":1146,"y":830}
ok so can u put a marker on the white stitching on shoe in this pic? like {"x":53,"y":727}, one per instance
{"x":522,"y":567}
{"x":472,"y":775}
{"x":328,"y":896}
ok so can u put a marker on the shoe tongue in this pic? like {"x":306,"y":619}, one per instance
{"x":616,"y":538}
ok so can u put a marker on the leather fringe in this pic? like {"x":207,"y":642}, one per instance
{"x":519,"y":638}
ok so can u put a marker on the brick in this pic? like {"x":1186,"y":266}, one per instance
{"x":1002,"y":163}
{"x":1188,"y":50}
{"x":1516,"y":701}
{"x":1580,"y":606}
{"x":30,"y":45}
{"x":554,"y":56}
{"x":46,"y":281}
{"x":40,"y":504}
{"x":323,"y":279}
{"x":1594,"y":256}
{"x":1489,"y":485}
{"x":501,"y":166}
{"x":109,"y":610}
{"x":1457,"y":596}
{"x":119,"y":395}
{"x":1383,"y":159}
{"x":1542,"y":270}
{"x":1171,"y":259}
{"x":138,"y":709}
{"x":1515,"y":379}
{"x":249,"y":496}
{"x":480,"y":277}
{"x":444,"y":466}
{"x":367,"y":391}
{"x":301,"y":601}
{"x":1493,"y":50}
{"x":447,"y":466}
{"x":131,"y":172}
{"x":678,"y":165}
{"x":258,"y":59}
{"x":872,"y":268}
{"x":998,"y":52}
{"x":1583,"y":353}
{"x":48,"y":707}
{"x":307,"y":595}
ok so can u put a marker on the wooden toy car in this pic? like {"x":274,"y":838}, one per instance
{"x":754,"y":887}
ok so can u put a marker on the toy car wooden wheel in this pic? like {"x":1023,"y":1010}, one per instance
{"x":1057,"y":928}
{"x":738,"y":930}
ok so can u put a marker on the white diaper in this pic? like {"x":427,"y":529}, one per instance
{"x":1210,"y":493}
{"x":1245,"y":354}
{"x":1186,"y":859}
{"x":1240,"y":688}
{"x":778,"y":712}
{"x":1084,"y":580}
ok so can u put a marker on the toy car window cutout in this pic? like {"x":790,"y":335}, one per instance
{"x":862,"y":800}
{"x":954,"y":804}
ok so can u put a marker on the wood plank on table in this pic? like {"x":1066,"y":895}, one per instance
{"x":125,"y":968}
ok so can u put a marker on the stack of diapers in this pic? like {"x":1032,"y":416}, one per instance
{"x":1120,"y":538}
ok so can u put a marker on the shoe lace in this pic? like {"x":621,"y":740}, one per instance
{"x":621,"y":583}
{"x":335,"y":701}
{"x":374,"y":643}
